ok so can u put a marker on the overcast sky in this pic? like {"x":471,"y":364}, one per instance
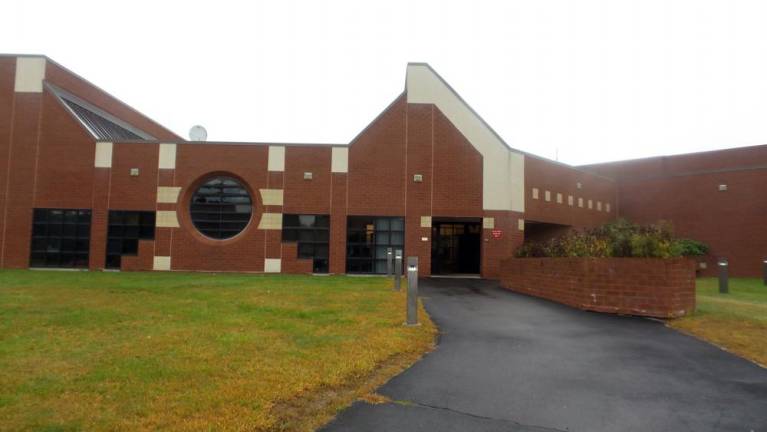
{"x":593,"y":80}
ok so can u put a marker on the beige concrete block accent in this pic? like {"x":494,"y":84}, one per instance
{"x":30,"y":73}
{"x":580,"y":202}
{"x":503,"y":169}
{"x":570,"y":200}
{"x":167,"y":156}
{"x":425,"y":221}
{"x":591,"y":204}
{"x":272,"y":265}
{"x":103,"y":158}
{"x":535,"y":193}
{"x":559,"y":198}
{"x":276,"y":158}
{"x":271,"y":196}
{"x":547,"y":195}
{"x":599,"y":205}
{"x":488,"y":223}
{"x":521,"y":224}
{"x":166,"y":219}
{"x":161,"y":263}
{"x":168,"y":194}
{"x":270,"y":221}
{"x":339,"y":160}
{"x":607,"y":207}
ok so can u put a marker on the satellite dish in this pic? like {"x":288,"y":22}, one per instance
{"x":198,"y":133}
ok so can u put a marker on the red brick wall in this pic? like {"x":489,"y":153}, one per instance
{"x":684,"y":189}
{"x":338,"y":223}
{"x":7,"y":103}
{"x":406,"y":139}
{"x":420,"y":140}
{"x":633,"y":286}
{"x":558,"y":178}
{"x":190,"y":250}
{"x":307,"y":196}
{"x":733,"y":223}
{"x":457,"y":171}
{"x":376,"y":178}
{"x":496,"y":249}
{"x":290,"y":261}
{"x":19,"y":183}
{"x":142,"y":261}
{"x":64,"y":163}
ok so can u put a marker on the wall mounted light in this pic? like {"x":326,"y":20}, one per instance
{"x":722,"y":187}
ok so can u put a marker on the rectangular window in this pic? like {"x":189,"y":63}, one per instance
{"x":125,"y":229}
{"x":368,"y":238}
{"x":60,"y":238}
{"x":312,"y":233}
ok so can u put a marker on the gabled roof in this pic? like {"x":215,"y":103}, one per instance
{"x":101,"y":125}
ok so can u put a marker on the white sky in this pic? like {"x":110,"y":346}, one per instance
{"x":597,"y":80}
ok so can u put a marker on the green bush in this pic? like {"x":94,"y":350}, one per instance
{"x":688,"y":247}
{"x":620,"y":238}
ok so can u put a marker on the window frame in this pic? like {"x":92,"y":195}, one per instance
{"x":54,"y":233}
{"x":120,"y":232}
{"x":213,"y":225}
{"x":356,"y":263}
{"x":309,"y":237}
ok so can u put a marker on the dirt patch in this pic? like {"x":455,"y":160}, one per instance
{"x":311,"y":411}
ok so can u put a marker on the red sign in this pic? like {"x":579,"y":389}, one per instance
{"x":497,"y":233}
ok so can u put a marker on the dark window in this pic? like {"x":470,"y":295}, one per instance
{"x":312,"y":233}
{"x":367,"y":240}
{"x":125,"y":229}
{"x":221,"y":207}
{"x":60,"y":238}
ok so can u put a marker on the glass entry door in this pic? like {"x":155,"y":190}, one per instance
{"x":456,"y":246}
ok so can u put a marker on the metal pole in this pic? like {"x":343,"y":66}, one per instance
{"x":397,"y":269}
{"x":389,"y":258}
{"x":723,"y":276}
{"x":412,"y":291}
{"x":764,"y":269}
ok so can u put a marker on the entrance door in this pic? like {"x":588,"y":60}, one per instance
{"x":455,"y":247}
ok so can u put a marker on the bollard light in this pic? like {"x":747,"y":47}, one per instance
{"x":389,"y":258}
{"x":397,"y":269}
{"x":724,"y":279}
{"x":412,"y":291}
{"x":764,"y":270}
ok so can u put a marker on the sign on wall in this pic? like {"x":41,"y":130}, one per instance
{"x":497,"y":233}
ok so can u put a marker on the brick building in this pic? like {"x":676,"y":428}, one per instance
{"x":88,"y":182}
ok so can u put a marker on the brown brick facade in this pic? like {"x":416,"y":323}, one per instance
{"x":634,"y":286}
{"x":49,"y":160}
{"x":685,"y":190}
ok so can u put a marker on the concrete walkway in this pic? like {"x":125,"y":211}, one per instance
{"x":508,"y":362}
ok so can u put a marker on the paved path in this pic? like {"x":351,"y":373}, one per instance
{"x":508,"y":362}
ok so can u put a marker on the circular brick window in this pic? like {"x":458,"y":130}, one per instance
{"x":221,"y":207}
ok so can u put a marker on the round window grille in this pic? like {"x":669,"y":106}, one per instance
{"x":221,"y":207}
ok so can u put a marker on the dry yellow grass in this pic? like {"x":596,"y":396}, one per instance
{"x":736,"y":321}
{"x":137,"y":351}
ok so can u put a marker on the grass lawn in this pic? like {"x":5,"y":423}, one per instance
{"x":736,"y":321}
{"x":179,"y":351}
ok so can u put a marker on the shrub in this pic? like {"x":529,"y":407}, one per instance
{"x":619,"y":238}
{"x":688,"y":247}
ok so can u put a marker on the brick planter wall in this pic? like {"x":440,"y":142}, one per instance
{"x":662,"y":288}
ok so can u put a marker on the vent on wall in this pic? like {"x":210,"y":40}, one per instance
{"x":102,"y":125}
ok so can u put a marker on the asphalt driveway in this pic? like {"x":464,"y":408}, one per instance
{"x":508,"y":362}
